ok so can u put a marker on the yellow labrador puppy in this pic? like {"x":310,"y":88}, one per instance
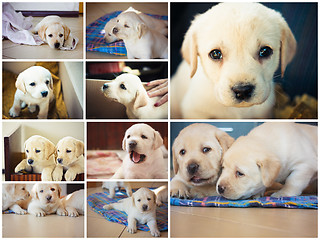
{"x":34,"y":88}
{"x":11,"y":195}
{"x":70,"y":157}
{"x":113,"y":186}
{"x":197,"y":154}
{"x":74,"y":203}
{"x":140,"y":40}
{"x":46,"y":200}
{"x":231,"y":53}
{"x":128,"y":90}
{"x":40,"y":157}
{"x":144,"y":158}
{"x":161,"y":195}
{"x":141,"y":207}
{"x":272,"y":152}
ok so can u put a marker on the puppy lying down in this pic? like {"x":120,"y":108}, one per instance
{"x":11,"y":195}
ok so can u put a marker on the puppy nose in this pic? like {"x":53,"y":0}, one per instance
{"x":60,"y":160}
{"x":115,"y":30}
{"x":221,"y":189}
{"x":30,"y":161}
{"x":105,"y":86}
{"x":144,"y":207}
{"x":57,"y":45}
{"x":192,"y":168}
{"x":243,"y":92}
{"x":44,"y":93}
{"x":48,"y":198}
{"x":132,"y":144}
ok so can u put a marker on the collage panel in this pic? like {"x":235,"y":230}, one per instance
{"x":227,"y":175}
{"x":43,"y":210}
{"x":43,"y":151}
{"x":127,"y":150}
{"x":122,"y":90}
{"x":42,"y":30}
{"x":42,"y":90}
{"x":128,"y":209}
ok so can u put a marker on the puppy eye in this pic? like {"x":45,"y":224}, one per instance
{"x":37,"y":151}
{"x":68,"y":151}
{"x":122,"y":86}
{"x":206,"y":149}
{"x":58,"y":150}
{"x":265,"y":52}
{"x":117,"y":20}
{"x":215,"y":54}
{"x":32,"y":84}
{"x":47,"y":82}
{"x":23,"y":188}
{"x":143,"y":137}
{"x":128,"y":136}
{"x":50,"y":35}
{"x":126,"y":26}
{"x":182,"y":152}
{"x":60,"y":35}
{"x":41,"y":191}
{"x":52,"y":189}
{"x":239,"y":174}
{"x":139,"y":200}
{"x":27,"y":151}
{"x":149,"y":199}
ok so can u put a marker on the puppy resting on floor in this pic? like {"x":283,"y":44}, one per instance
{"x":128,"y":90}
{"x":11,"y":195}
{"x":272,"y":152}
{"x":141,"y":207}
{"x":113,"y":186}
{"x":197,"y":154}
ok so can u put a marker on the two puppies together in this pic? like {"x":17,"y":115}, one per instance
{"x":42,"y":156}
{"x":207,"y":162}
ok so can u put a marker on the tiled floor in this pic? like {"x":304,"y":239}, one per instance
{"x":97,"y":10}
{"x":12,"y":50}
{"x":97,"y":226}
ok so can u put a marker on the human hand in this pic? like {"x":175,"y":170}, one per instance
{"x":160,"y":88}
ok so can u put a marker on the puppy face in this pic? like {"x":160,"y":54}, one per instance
{"x":247,"y":170}
{"x":17,"y":192}
{"x":69,"y":150}
{"x":126,"y":89}
{"x":54,"y":33}
{"x":47,"y":194}
{"x":109,"y":36}
{"x":197,"y":153}
{"x":239,"y":51}
{"x":144,"y":199}
{"x":36,"y":80}
{"x":38,"y":149}
{"x":140,"y":141}
{"x":129,"y":26}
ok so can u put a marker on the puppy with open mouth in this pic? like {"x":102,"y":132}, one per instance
{"x":144,"y":158}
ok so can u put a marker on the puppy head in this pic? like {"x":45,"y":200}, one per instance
{"x":46,"y":193}
{"x":16,"y":191}
{"x":36,"y":81}
{"x":140,"y":141}
{"x":69,"y":150}
{"x":129,"y":26}
{"x":144,"y":199}
{"x":108,"y":28}
{"x":248,"y":169}
{"x":54,"y":34}
{"x":197,"y":153}
{"x":126,"y":89}
{"x":38,"y":149}
{"x":239,"y":51}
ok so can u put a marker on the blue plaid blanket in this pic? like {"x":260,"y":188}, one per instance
{"x":266,"y":202}
{"x":95,"y":41}
{"x":97,"y":200}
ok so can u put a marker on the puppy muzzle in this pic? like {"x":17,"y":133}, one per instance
{"x":44,"y":94}
{"x":145,"y":207}
{"x":30,"y":161}
{"x":60,"y":160}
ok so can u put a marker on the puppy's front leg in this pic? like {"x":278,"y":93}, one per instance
{"x":118,"y":174}
{"x":46,"y":174}
{"x":61,"y":211}
{"x":132,"y":224}
{"x":153,"y":228}
{"x":35,"y":210}
{"x":57,"y":173}
{"x":18,"y":210}
{"x":23,"y":165}
{"x":72,"y":173}
{"x":43,"y":110}
{"x":16,"y":108}
{"x":178,"y":188}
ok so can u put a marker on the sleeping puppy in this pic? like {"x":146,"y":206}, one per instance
{"x":40,"y":157}
{"x":11,"y":195}
{"x":141,"y":207}
{"x":53,"y":31}
{"x":128,"y":90}
{"x":272,"y":152}
{"x":74,"y":203}
{"x":113,"y":186}
{"x":46,"y":200}
{"x":70,"y":157}
{"x":34,"y":88}
{"x":197,"y":154}
{"x":144,"y":158}
{"x":229,"y":64}
{"x":140,"y":40}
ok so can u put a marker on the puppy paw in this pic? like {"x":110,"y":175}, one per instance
{"x":13,"y":113}
{"x":70,"y":176}
{"x":180,"y":193}
{"x":23,"y":105}
{"x":32,"y":108}
{"x":108,"y":207}
{"x":62,"y":212}
{"x":21,"y":212}
{"x":40,"y":214}
{"x":132,"y":229}
{"x":281,"y":193}
{"x":155,"y":232}
{"x":73,"y":213}
{"x":57,"y":176}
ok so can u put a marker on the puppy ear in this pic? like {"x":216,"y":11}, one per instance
{"x":20,"y":83}
{"x":225,"y":140}
{"x":49,"y":148}
{"x":288,"y":45}
{"x":66,"y":32}
{"x":79,"y":147}
{"x":51,"y":82}
{"x":269,"y":168}
{"x":154,"y":197}
{"x":10,"y":188}
{"x":157,"y":140}
{"x":140,"y":100}
{"x":34,"y":192}
{"x":59,"y":190}
{"x":174,"y":159}
{"x":42,"y":32}
{"x":124,"y":142}
{"x":189,"y":50}
{"x":141,"y":27}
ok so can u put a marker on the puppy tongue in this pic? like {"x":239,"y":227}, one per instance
{"x":135,"y":157}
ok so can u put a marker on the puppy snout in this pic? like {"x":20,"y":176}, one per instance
{"x":57,"y":45}
{"x":132,"y":144}
{"x":60,"y":160}
{"x":49,"y":197}
{"x":192,"y":168}
{"x":115,"y":30}
{"x":30,"y":161}
{"x":243,"y":91}
{"x":105,"y":86}
{"x":221,"y":189}
{"x":144,"y":207}
{"x":44,"y":93}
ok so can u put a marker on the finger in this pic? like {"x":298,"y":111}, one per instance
{"x":163,"y":100}
{"x":157,"y":82}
